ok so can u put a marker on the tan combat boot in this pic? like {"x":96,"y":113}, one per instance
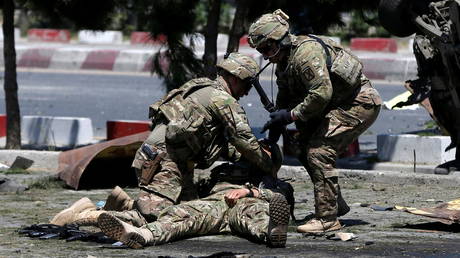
{"x":83,"y":212}
{"x":279,"y":221}
{"x":118,"y":200}
{"x":118,"y":230}
{"x":319,"y":226}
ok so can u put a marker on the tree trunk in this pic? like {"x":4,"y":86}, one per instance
{"x":210,"y":37}
{"x":13,"y":127}
{"x":238,"y":28}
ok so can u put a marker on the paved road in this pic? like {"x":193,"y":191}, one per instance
{"x":111,"y":96}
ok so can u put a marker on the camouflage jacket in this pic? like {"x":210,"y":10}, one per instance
{"x":305,"y":84}
{"x":218,"y":125}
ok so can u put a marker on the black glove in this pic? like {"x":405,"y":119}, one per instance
{"x":274,"y":133}
{"x":279,"y":118}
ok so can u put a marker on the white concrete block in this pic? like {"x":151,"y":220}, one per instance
{"x":68,"y":58}
{"x":132,"y":60}
{"x":401,"y":148}
{"x":56,"y":131}
{"x":100,"y":37}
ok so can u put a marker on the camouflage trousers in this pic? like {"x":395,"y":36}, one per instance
{"x":168,"y":186}
{"x":248,"y":218}
{"x":336,"y":131}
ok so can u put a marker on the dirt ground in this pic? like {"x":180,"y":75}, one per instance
{"x":379,"y":233}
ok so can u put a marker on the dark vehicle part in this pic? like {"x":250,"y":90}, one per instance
{"x":393,"y":16}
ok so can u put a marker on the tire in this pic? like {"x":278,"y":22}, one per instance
{"x":394,"y":17}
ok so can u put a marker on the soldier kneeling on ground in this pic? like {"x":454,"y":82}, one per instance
{"x":257,"y":213}
{"x":192,"y":127}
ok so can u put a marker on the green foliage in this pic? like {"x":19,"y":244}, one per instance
{"x":82,"y":14}
{"x":47,"y":183}
{"x":15,"y":171}
{"x":183,"y":65}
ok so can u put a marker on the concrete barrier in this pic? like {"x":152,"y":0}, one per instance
{"x":382,"y":68}
{"x":410,"y":148}
{"x":35,"y":57}
{"x":133,"y":60}
{"x":48,"y":35}
{"x":56,"y":131}
{"x":374,"y":44}
{"x":43,"y":160}
{"x":120,"y":128}
{"x":100,"y":60}
{"x":2,"y":125}
{"x":100,"y":37}
{"x":68,"y":58}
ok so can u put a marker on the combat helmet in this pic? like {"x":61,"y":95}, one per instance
{"x":269,"y":26}
{"x":241,"y":66}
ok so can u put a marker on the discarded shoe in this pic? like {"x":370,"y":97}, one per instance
{"x":83,"y":212}
{"x":279,"y":220}
{"x":118,"y":200}
{"x":319,"y":226}
{"x":121,"y":231}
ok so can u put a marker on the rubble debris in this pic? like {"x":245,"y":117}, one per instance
{"x":381,"y":208}
{"x":68,"y":232}
{"x":21,"y":163}
{"x":447,"y":213}
{"x":342,"y":236}
{"x":8,"y":185}
{"x":4,"y":167}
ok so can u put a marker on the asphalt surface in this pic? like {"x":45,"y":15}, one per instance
{"x":104,"y":96}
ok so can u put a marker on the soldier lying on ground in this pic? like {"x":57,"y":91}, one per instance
{"x":232,"y":205}
{"x":258,"y":214}
{"x":322,"y":89}
{"x":192,"y":127}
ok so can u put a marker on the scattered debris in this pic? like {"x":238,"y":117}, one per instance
{"x":68,"y":232}
{"x":4,"y":167}
{"x":7,"y":185}
{"x":447,"y":213}
{"x":342,"y":236}
{"x":21,"y":163}
{"x":381,"y":208}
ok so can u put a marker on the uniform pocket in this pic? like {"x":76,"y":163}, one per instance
{"x":340,"y":122}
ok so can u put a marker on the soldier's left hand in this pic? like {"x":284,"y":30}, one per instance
{"x":278,"y":118}
{"x":233,"y":196}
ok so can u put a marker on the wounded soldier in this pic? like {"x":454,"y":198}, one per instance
{"x":231,"y":204}
{"x":257,"y":214}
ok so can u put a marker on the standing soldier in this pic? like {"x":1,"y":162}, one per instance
{"x":321,"y":89}
{"x":192,"y":126}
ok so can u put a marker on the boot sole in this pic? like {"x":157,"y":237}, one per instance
{"x":114,"y":229}
{"x":279,"y":219}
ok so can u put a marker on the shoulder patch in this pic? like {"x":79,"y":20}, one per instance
{"x":309,"y":74}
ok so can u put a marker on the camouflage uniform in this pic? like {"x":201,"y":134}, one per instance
{"x":214,"y":125}
{"x":322,"y":86}
{"x":248,"y":218}
{"x":331,"y":113}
